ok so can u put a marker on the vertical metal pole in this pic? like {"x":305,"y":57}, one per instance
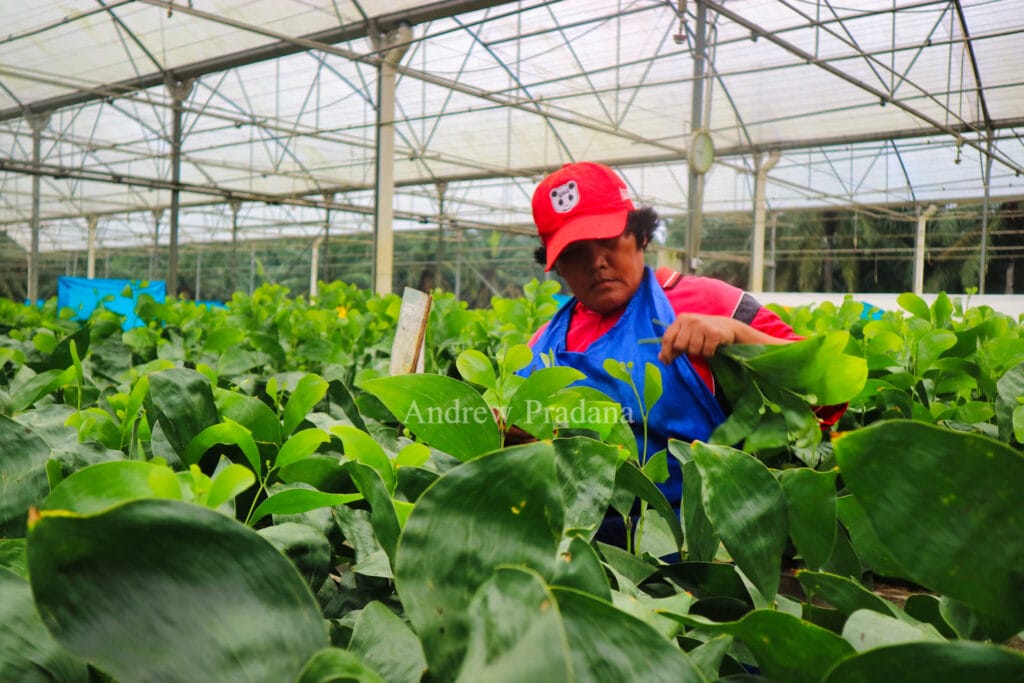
{"x":37,"y":122}
{"x":157,"y":213}
{"x":395,"y":44}
{"x":983,"y":266}
{"x":199,"y":270}
{"x":919,"y":246}
{"x":326,"y":275}
{"x":90,"y":269}
{"x":252,"y":268}
{"x":438,"y":272}
{"x":760,"y":203}
{"x":233,"y":280}
{"x":179,"y":91}
{"x":314,"y":267}
{"x":695,"y":185}
{"x":774,"y":263}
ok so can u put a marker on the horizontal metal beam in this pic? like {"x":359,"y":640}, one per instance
{"x":280,"y":48}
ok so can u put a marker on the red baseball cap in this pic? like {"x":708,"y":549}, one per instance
{"x":581,"y":201}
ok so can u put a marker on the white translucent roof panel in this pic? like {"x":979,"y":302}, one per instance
{"x":866,"y":103}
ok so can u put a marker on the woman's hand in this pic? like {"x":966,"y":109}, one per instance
{"x":701,"y":335}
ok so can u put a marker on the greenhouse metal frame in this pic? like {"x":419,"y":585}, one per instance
{"x":162,"y":123}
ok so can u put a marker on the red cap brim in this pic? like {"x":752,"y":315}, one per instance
{"x":600,"y":227}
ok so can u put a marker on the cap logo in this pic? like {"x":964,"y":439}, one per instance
{"x":565,"y":197}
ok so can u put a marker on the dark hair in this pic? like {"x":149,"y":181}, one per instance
{"x":641,"y":223}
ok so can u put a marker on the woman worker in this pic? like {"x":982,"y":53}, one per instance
{"x":594,"y":238}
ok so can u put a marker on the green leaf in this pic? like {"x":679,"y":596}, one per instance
{"x":652,"y":386}
{"x":28,"y":653}
{"x":503,"y":508}
{"x":864,"y":539}
{"x":361,"y":447}
{"x":386,"y":643}
{"x":523,"y":630}
{"x":333,"y":665}
{"x":101,"y":486}
{"x":294,"y":501}
{"x":579,"y":567}
{"x":927,"y":662}
{"x":817,"y":368}
{"x":309,"y":391}
{"x":526,"y":409}
{"x":301,"y":445}
{"x":914,"y":305}
{"x":383,"y":515}
{"x":251,"y":413}
{"x":844,"y":594}
{"x":909,"y":478}
{"x":586,"y":474}
{"x":227,"y":483}
{"x":747,"y":508}
{"x":23,"y":480}
{"x":932,"y":344}
{"x":786,"y":648}
{"x":227,"y":433}
{"x":147,"y":572}
{"x":182,"y":402}
{"x":516,"y":358}
{"x":811,"y":510}
{"x":444,"y":412}
{"x":629,"y":478}
{"x":43,"y":384}
{"x":867,"y":629}
{"x":618,"y":370}
{"x":476,"y":368}
{"x":307,"y":548}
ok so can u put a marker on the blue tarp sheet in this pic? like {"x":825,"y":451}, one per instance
{"x":83,"y":295}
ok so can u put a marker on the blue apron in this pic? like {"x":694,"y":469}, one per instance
{"x":687,"y":410}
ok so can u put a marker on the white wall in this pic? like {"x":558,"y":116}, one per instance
{"x":1010,"y":304}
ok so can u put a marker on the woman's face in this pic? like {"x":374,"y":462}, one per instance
{"x":603,"y":274}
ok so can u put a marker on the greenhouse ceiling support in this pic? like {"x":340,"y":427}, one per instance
{"x":384,"y":187}
{"x":761,"y":168}
{"x":179,"y":91}
{"x":919,"y":246}
{"x":37,"y":122}
{"x":983,"y":265}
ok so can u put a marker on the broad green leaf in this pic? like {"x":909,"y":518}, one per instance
{"x":444,"y":412}
{"x":300,"y":445}
{"x":701,"y":540}
{"x":843,"y":593}
{"x":656,"y":467}
{"x":101,"y":486}
{"x":361,"y":447}
{"x":707,"y":579}
{"x":307,"y":548}
{"x":294,"y":501}
{"x":309,"y":391}
{"x":23,"y":480}
{"x":1009,"y":389}
{"x":932,"y":344}
{"x":333,"y":665}
{"x":388,"y":645}
{"x":28,"y":653}
{"x":629,"y":478}
{"x":927,"y":662}
{"x":909,"y":478}
{"x":147,"y":572}
{"x":523,"y":630}
{"x":867,"y":629}
{"x":811,"y":510}
{"x":12,"y":556}
{"x":476,"y":368}
{"x":227,"y":483}
{"x":251,"y":413}
{"x":618,"y":370}
{"x":45,"y":383}
{"x":786,"y":648}
{"x":914,"y":305}
{"x":870,"y":549}
{"x":227,"y":433}
{"x":503,"y":508}
{"x":516,"y":358}
{"x":747,"y":508}
{"x":817,"y":368}
{"x":579,"y":567}
{"x":586,"y":474}
{"x":412,"y":455}
{"x":383,"y":515}
{"x":182,"y":402}
{"x":652,"y":386}
{"x":526,"y":409}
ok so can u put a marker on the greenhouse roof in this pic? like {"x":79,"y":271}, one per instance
{"x":885,"y":103}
